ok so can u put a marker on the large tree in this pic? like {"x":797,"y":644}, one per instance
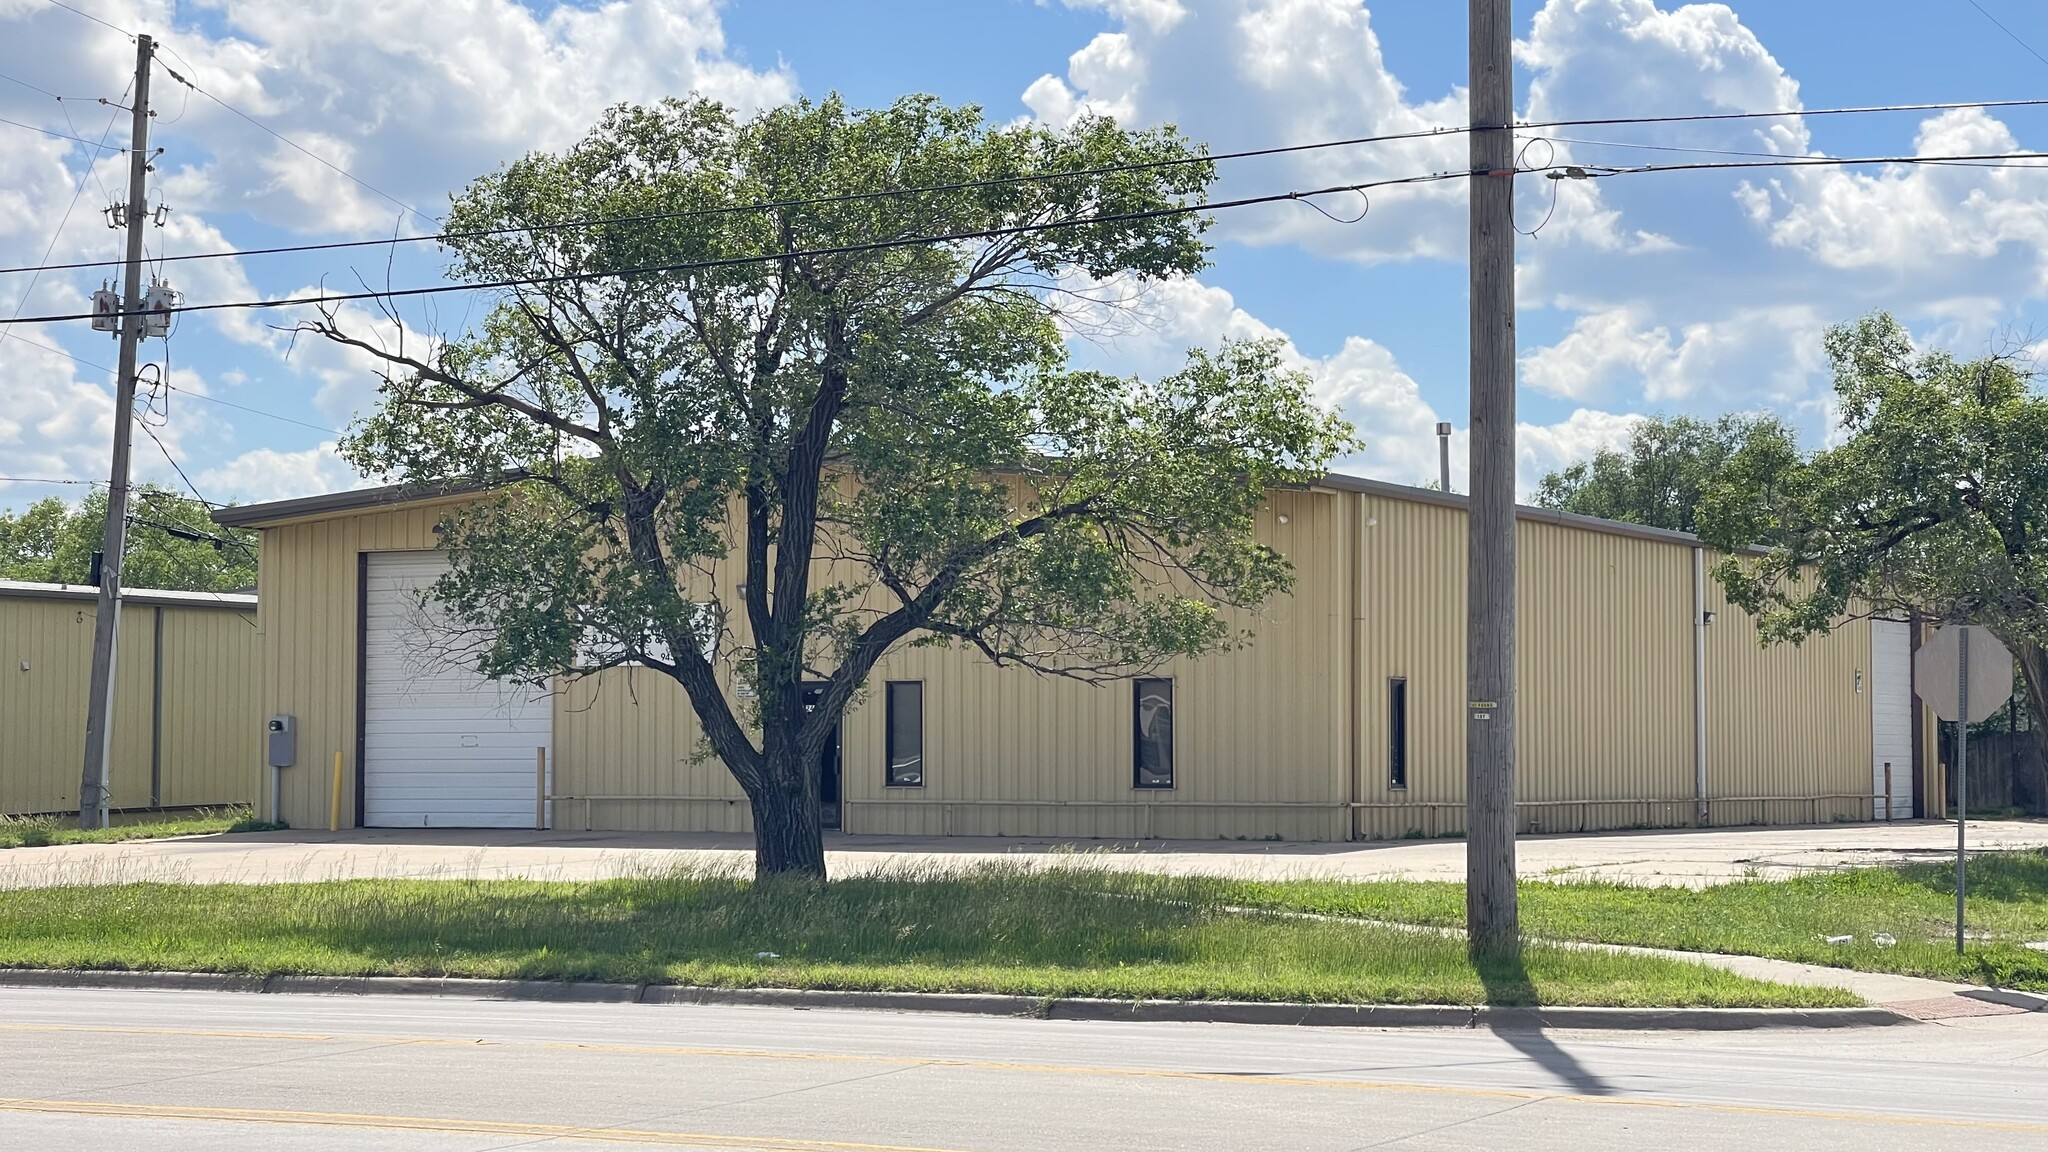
{"x":172,"y":543}
{"x":1935,"y":502}
{"x":772,"y":396}
{"x":1661,"y":476}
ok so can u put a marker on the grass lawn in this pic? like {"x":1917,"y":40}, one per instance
{"x":41,"y":831}
{"x":990,"y":930}
{"x":1786,"y":919}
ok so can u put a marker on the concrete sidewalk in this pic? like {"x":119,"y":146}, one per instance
{"x":1689,"y":858}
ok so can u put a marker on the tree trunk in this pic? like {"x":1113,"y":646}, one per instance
{"x":2033,"y":662}
{"x":788,"y":838}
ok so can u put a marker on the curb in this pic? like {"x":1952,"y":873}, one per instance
{"x":1037,"y":1007}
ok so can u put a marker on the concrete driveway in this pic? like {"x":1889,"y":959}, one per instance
{"x":1692,"y":858}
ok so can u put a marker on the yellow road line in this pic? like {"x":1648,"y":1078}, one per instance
{"x":1081,"y":1070}
{"x":449,"y":1124}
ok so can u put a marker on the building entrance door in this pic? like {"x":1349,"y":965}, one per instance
{"x":828,"y":765}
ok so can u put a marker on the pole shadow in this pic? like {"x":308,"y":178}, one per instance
{"x":1507,"y":983}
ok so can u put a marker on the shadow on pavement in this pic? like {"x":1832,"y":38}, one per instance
{"x":1508,"y":986}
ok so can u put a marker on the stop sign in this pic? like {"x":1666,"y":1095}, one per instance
{"x":1938,"y":664}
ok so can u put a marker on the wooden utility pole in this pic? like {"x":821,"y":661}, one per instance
{"x":99,"y":716}
{"x":1490,"y":913}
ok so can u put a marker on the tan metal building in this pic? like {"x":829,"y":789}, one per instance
{"x":1344,"y":720}
{"x":186,"y":698}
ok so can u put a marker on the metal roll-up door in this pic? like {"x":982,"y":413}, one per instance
{"x":1891,"y":716}
{"x":443,"y":747}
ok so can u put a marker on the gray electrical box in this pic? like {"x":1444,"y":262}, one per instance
{"x":282,"y":740}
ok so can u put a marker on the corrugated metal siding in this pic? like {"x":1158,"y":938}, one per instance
{"x":1259,"y":734}
{"x":1785,"y":721}
{"x":1410,"y":623}
{"x":1260,"y":737}
{"x":1277,"y":740}
{"x":212,"y":742}
{"x":1605,"y":667}
{"x":631,"y":734}
{"x":206,"y":748}
{"x":307,"y":606}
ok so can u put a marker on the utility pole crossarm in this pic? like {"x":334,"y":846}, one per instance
{"x":93,"y":787}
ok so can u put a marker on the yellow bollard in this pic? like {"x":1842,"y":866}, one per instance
{"x":334,"y":805}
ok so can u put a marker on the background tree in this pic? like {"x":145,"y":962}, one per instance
{"x":790,"y":465}
{"x":1936,"y":503}
{"x":172,"y":543}
{"x":1661,"y":477}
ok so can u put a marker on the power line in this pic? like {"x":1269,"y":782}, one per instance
{"x":93,"y":18}
{"x":768,"y":257}
{"x":246,"y":408}
{"x":1854,"y":110}
{"x":1740,"y":152}
{"x":2009,"y":32}
{"x":172,"y":461}
{"x":293,"y":144}
{"x":52,"y":348}
{"x":1988,"y":159}
{"x":58,"y":232}
{"x":59,"y":351}
{"x":1991,"y":159}
{"x":29,"y":86}
{"x":52,"y":132}
{"x":288,"y":141}
{"x":792,"y":202}
{"x":1114,"y":169}
{"x":45,"y":480}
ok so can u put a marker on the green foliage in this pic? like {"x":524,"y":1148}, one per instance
{"x":1008,"y":930}
{"x":43,"y":831}
{"x":52,"y":542}
{"x":1935,"y":502}
{"x":697,"y":442}
{"x":1670,"y":462}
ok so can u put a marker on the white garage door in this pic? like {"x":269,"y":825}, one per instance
{"x":442,"y":746}
{"x":1891,"y":715}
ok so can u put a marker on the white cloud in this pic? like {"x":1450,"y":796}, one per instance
{"x":1914,"y":219}
{"x":1251,"y":73}
{"x":1542,"y":449}
{"x":1600,"y":346}
{"x":55,"y":423}
{"x":268,"y":474}
{"x":1127,"y":328}
{"x":415,"y":97}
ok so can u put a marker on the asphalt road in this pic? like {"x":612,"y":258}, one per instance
{"x":176,"y":1070}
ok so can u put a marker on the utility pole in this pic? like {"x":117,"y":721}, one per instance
{"x":1490,"y":912}
{"x":1962,"y":777}
{"x":99,"y":716}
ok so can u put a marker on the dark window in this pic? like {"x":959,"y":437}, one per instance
{"x":1152,"y":717}
{"x":906,"y":734}
{"x":1397,"y":732}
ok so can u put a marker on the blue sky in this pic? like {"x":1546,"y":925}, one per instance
{"x":1675,"y":293}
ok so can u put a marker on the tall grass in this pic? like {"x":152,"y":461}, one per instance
{"x":1786,"y":919}
{"x":43,"y":831}
{"x":991,"y":929}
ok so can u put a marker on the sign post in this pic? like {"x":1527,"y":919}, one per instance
{"x":1980,"y":669}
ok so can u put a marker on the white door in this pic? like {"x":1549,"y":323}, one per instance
{"x":1891,"y":715}
{"x":443,"y":747}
